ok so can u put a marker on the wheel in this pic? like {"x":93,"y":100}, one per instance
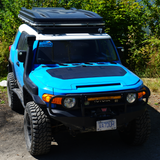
{"x":37,"y":129}
{"x":13,"y":99}
{"x":137,"y":131}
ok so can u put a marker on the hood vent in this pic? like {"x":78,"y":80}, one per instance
{"x":99,"y":85}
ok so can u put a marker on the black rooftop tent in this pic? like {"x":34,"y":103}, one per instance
{"x":60,"y":20}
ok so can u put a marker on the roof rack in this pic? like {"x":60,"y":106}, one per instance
{"x":60,"y":20}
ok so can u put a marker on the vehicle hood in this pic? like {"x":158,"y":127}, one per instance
{"x":81,"y":77}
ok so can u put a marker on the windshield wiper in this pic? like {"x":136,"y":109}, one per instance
{"x":59,"y":63}
{"x":100,"y":61}
{"x":96,"y":61}
{"x":74,"y":62}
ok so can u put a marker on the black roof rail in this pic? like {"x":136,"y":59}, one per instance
{"x":60,"y":20}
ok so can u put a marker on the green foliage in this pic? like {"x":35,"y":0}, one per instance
{"x":9,"y":21}
{"x":3,"y":78}
{"x":147,"y":58}
{"x":125,"y":22}
{"x":4,"y":51}
{"x":153,"y":10}
{"x":2,"y":102}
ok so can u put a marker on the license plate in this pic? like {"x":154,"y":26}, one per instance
{"x":106,"y":125}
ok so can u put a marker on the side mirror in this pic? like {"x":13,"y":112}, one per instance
{"x":120,"y":51}
{"x":22,"y":55}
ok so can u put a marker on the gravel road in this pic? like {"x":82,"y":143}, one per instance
{"x":89,"y":146}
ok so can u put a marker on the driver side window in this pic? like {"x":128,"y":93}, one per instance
{"x":22,"y":44}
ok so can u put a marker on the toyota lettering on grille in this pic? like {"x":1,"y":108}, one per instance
{"x":102,"y":101}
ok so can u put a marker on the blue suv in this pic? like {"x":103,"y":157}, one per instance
{"x":65,"y":71}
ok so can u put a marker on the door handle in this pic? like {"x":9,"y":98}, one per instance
{"x":17,"y":63}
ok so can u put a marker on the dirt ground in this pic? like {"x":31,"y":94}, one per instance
{"x":104,"y":145}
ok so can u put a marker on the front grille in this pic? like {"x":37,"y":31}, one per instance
{"x":103,"y":105}
{"x":94,"y":105}
{"x":104,"y":100}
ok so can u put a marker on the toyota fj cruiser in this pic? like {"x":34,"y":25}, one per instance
{"x":64,"y":70}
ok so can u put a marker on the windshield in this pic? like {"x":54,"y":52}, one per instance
{"x":75,"y":51}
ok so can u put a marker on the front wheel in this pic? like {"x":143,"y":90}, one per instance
{"x":37,"y":129}
{"x":137,"y":131}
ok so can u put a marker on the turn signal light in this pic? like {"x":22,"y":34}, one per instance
{"x":141,"y":94}
{"x":47,"y":97}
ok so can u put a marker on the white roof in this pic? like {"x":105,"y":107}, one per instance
{"x":75,"y":36}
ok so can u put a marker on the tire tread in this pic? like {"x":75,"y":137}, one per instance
{"x":41,"y":130}
{"x":137,"y":131}
{"x":12,"y":83}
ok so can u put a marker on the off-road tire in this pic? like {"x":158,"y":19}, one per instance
{"x":13,"y":100}
{"x":137,"y":131}
{"x":37,"y":129}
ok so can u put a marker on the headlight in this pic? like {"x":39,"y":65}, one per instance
{"x":69,"y":102}
{"x":131,"y":97}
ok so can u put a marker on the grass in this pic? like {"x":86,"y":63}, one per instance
{"x":3,"y":90}
{"x":3,"y":78}
{"x":152,"y":83}
{"x":2,"y":102}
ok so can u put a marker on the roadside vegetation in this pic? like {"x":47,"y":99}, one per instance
{"x":153,"y":84}
{"x":3,"y":92}
{"x":133,"y":25}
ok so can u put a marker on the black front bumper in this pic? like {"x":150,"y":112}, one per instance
{"x":85,"y":117}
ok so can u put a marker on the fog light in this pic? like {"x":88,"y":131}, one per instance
{"x":69,"y":102}
{"x":131,"y":97}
